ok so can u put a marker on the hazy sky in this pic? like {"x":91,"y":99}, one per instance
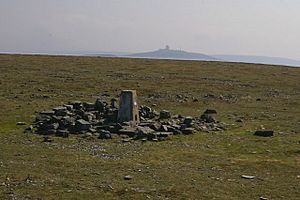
{"x":252,"y":27}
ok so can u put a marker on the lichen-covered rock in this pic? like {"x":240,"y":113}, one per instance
{"x":164,"y":114}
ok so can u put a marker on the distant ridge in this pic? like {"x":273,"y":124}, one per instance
{"x":168,"y":53}
{"x":259,"y":60}
{"x":171,"y":54}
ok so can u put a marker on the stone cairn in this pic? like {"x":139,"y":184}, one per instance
{"x":102,"y":120}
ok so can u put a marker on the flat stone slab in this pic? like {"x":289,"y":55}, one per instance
{"x":248,"y":177}
{"x":21,"y":123}
{"x":188,"y":131}
{"x":264,"y":133}
{"x":89,"y":106}
{"x":164,"y":114}
{"x":130,"y":131}
{"x":62,"y":133}
{"x":60,"y":111}
{"x":69,"y":107}
{"x":145,"y":130}
{"x":162,"y":134}
{"x":188,"y":121}
{"x":49,"y":112}
{"x":82,"y":122}
{"x":82,"y":125}
{"x":59,"y":108}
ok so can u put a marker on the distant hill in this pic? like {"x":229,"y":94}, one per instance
{"x":168,"y":53}
{"x":259,"y":60}
{"x":172,"y":54}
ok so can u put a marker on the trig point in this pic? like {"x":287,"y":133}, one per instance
{"x":128,"y":110}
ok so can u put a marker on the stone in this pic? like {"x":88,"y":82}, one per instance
{"x":128,"y":177}
{"x":156,"y":135}
{"x":113,"y":103}
{"x":126,"y":140}
{"x":48,"y":132}
{"x":163,"y":134}
{"x":105,"y":94}
{"x":239,"y":120}
{"x":115,"y":128}
{"x":43,"y":118}
{"x":155,"y":113}
{"x":174,"y":130}
{"x":248,"y":177}
{"x":100,"y":105}
{"x":179,"y":96}
{"x":176,"y":126}
{"x":92,"y":130}
{"x":80,"y":113}
{"x":162,"y":138}
{"x":60,"y":111}
{"x":143,"y":132}
{"x":62,"y":133}
{"x":180,"y":116}
{"x":66,"y":122}
{"x":104,"y":135}
{"x":207,"y":118}
{"x":188,"y":131}
{"x":164,"y":128}
{"x":128,"y":109}
{"x":87,"y":135}
{"x":52,"y":126}
{"x":56,"y":118}
{"x":144,"y":140}
{"x":188,"y":121}
{"x":147,"y":112}
{"x":129,"y":131}
{"x":210,"y":111}
{"x":164,"y":114}
{"x":69,"y":107}
{"x":50,"y":113}
{"x":47,"y":139}
{"x":29,"y":129}
{"x":175,"y":117}
{"x":87,"y":116}
{"x":88,"y":106}
{"x":145,"y":124}
{"x":263,"y":198}
{"x":264,"y":133}
{"x":82,"y":125}
{"x":156,"y":126}
{"x":183,"y":126}
{"x":77,"y":105}
{"x":111,"y":116}
{"x":145,"y":109}
{"x":21,"y":123}
{"x":127,"y":124}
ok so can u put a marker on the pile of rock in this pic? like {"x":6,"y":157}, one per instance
{"x":100,"y":119}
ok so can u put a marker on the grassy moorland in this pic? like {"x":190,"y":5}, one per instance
{"x":199,"y":166}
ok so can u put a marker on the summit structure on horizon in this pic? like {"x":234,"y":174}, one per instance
{"x":168,"y":53}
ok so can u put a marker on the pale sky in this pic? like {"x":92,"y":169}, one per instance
{"x":246,"y":27}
